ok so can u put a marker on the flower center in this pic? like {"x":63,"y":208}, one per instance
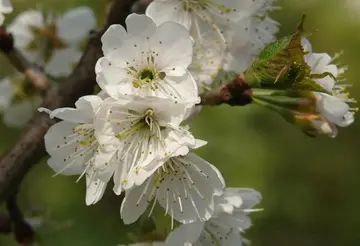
{"x":147,"y":75}
{"x":145,"y":122}
{"x":146,"y":78}
{"x":46,"y":40}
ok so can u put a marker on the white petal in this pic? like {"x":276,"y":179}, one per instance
{"x":113,"y":80}
{"x":113,"y":38}
{"x":131,"y":209}
{"x":7,"y":91}
{"x":5,"y":6}
{"x":333,"y":108}
{"x":18,"y":114}
{"x":56,"y":162}
{"x":55,"y":139}
{"x":306,"y":45}
{"x":95,"y":189}
{"x":173,"y":44}
{"x":55,"y":135}
{"x":105,"y":163}
{"x":163,"y":11}
{"x":140,"y":26}
{"x":76,"y":24}
{"x":86,"y":107}
{"x":221,"y":234}
{"x":63,"y":61}
{"x":187,"y":204}
{"x":129,"y":53}
{"x":183,"y":88}
{"x":325,"y":127}
{"x":188,"y":233}
{"x":89,"y":104}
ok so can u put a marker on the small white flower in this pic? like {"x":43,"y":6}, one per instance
{"x":73,"y":148}
{"x":18,"y":100}
{"x":334,"y":107}
{"x":5,"y":8}
{"x":200,"y":16}
{"x":52,"y":41}
{"x":224,"y":228}
{"x":138,"y":131}
{"x":147,"y":60}
{"x":207,"y":60}
{"x":249,"y":37}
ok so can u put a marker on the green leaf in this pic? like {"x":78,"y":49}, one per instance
{"x":281,"y":65}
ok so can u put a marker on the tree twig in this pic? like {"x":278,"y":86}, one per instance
{"x":235,"y":93}
{"x":24,"y":234}
{"x":29,"y":148}
{"x":32,"y":72}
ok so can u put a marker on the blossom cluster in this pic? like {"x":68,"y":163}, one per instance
{"x":133,"y":131}
{"x":151,"y":76}
{"x":51,"y":42}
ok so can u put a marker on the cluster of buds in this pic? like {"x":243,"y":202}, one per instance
{"x":302,"y":86}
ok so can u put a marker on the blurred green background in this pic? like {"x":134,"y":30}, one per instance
{"x":310,"y":187}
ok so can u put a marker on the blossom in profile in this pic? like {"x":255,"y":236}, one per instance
{"x":73,"y":148}
{"x":335,"y":105}
{"x":147,"y":60}
{"x":52,"y":41}
{"x":231,"y":218}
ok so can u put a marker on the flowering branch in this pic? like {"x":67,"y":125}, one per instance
{"x":29,"y":148}
{"x":32,"y":72}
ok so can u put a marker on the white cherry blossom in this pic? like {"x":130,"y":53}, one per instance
{"x":335,"y":107}
{"x":73,"y":148}
{"x":224,"y":228}
{"x":138,"y":131}
{"x":184,"y":185}
{"x":5,"y":8}
{"x":200,"y":16}
{"x":147,"y":60}
{"x":250,"y":36}
{"x":18,"y":100}
{"x":52,"y":41}
{"x":207,"y":60}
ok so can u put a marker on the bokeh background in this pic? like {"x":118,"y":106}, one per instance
{"x":310,"y":187}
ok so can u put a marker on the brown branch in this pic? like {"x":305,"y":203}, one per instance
{"x":32,"y":72}
{"x":30,"y":149}
{"x":22,"y":231}
{"x":235,"y":93}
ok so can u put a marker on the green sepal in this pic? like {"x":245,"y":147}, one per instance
{"x":296,"y":107}
{"x":281,"y":65}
